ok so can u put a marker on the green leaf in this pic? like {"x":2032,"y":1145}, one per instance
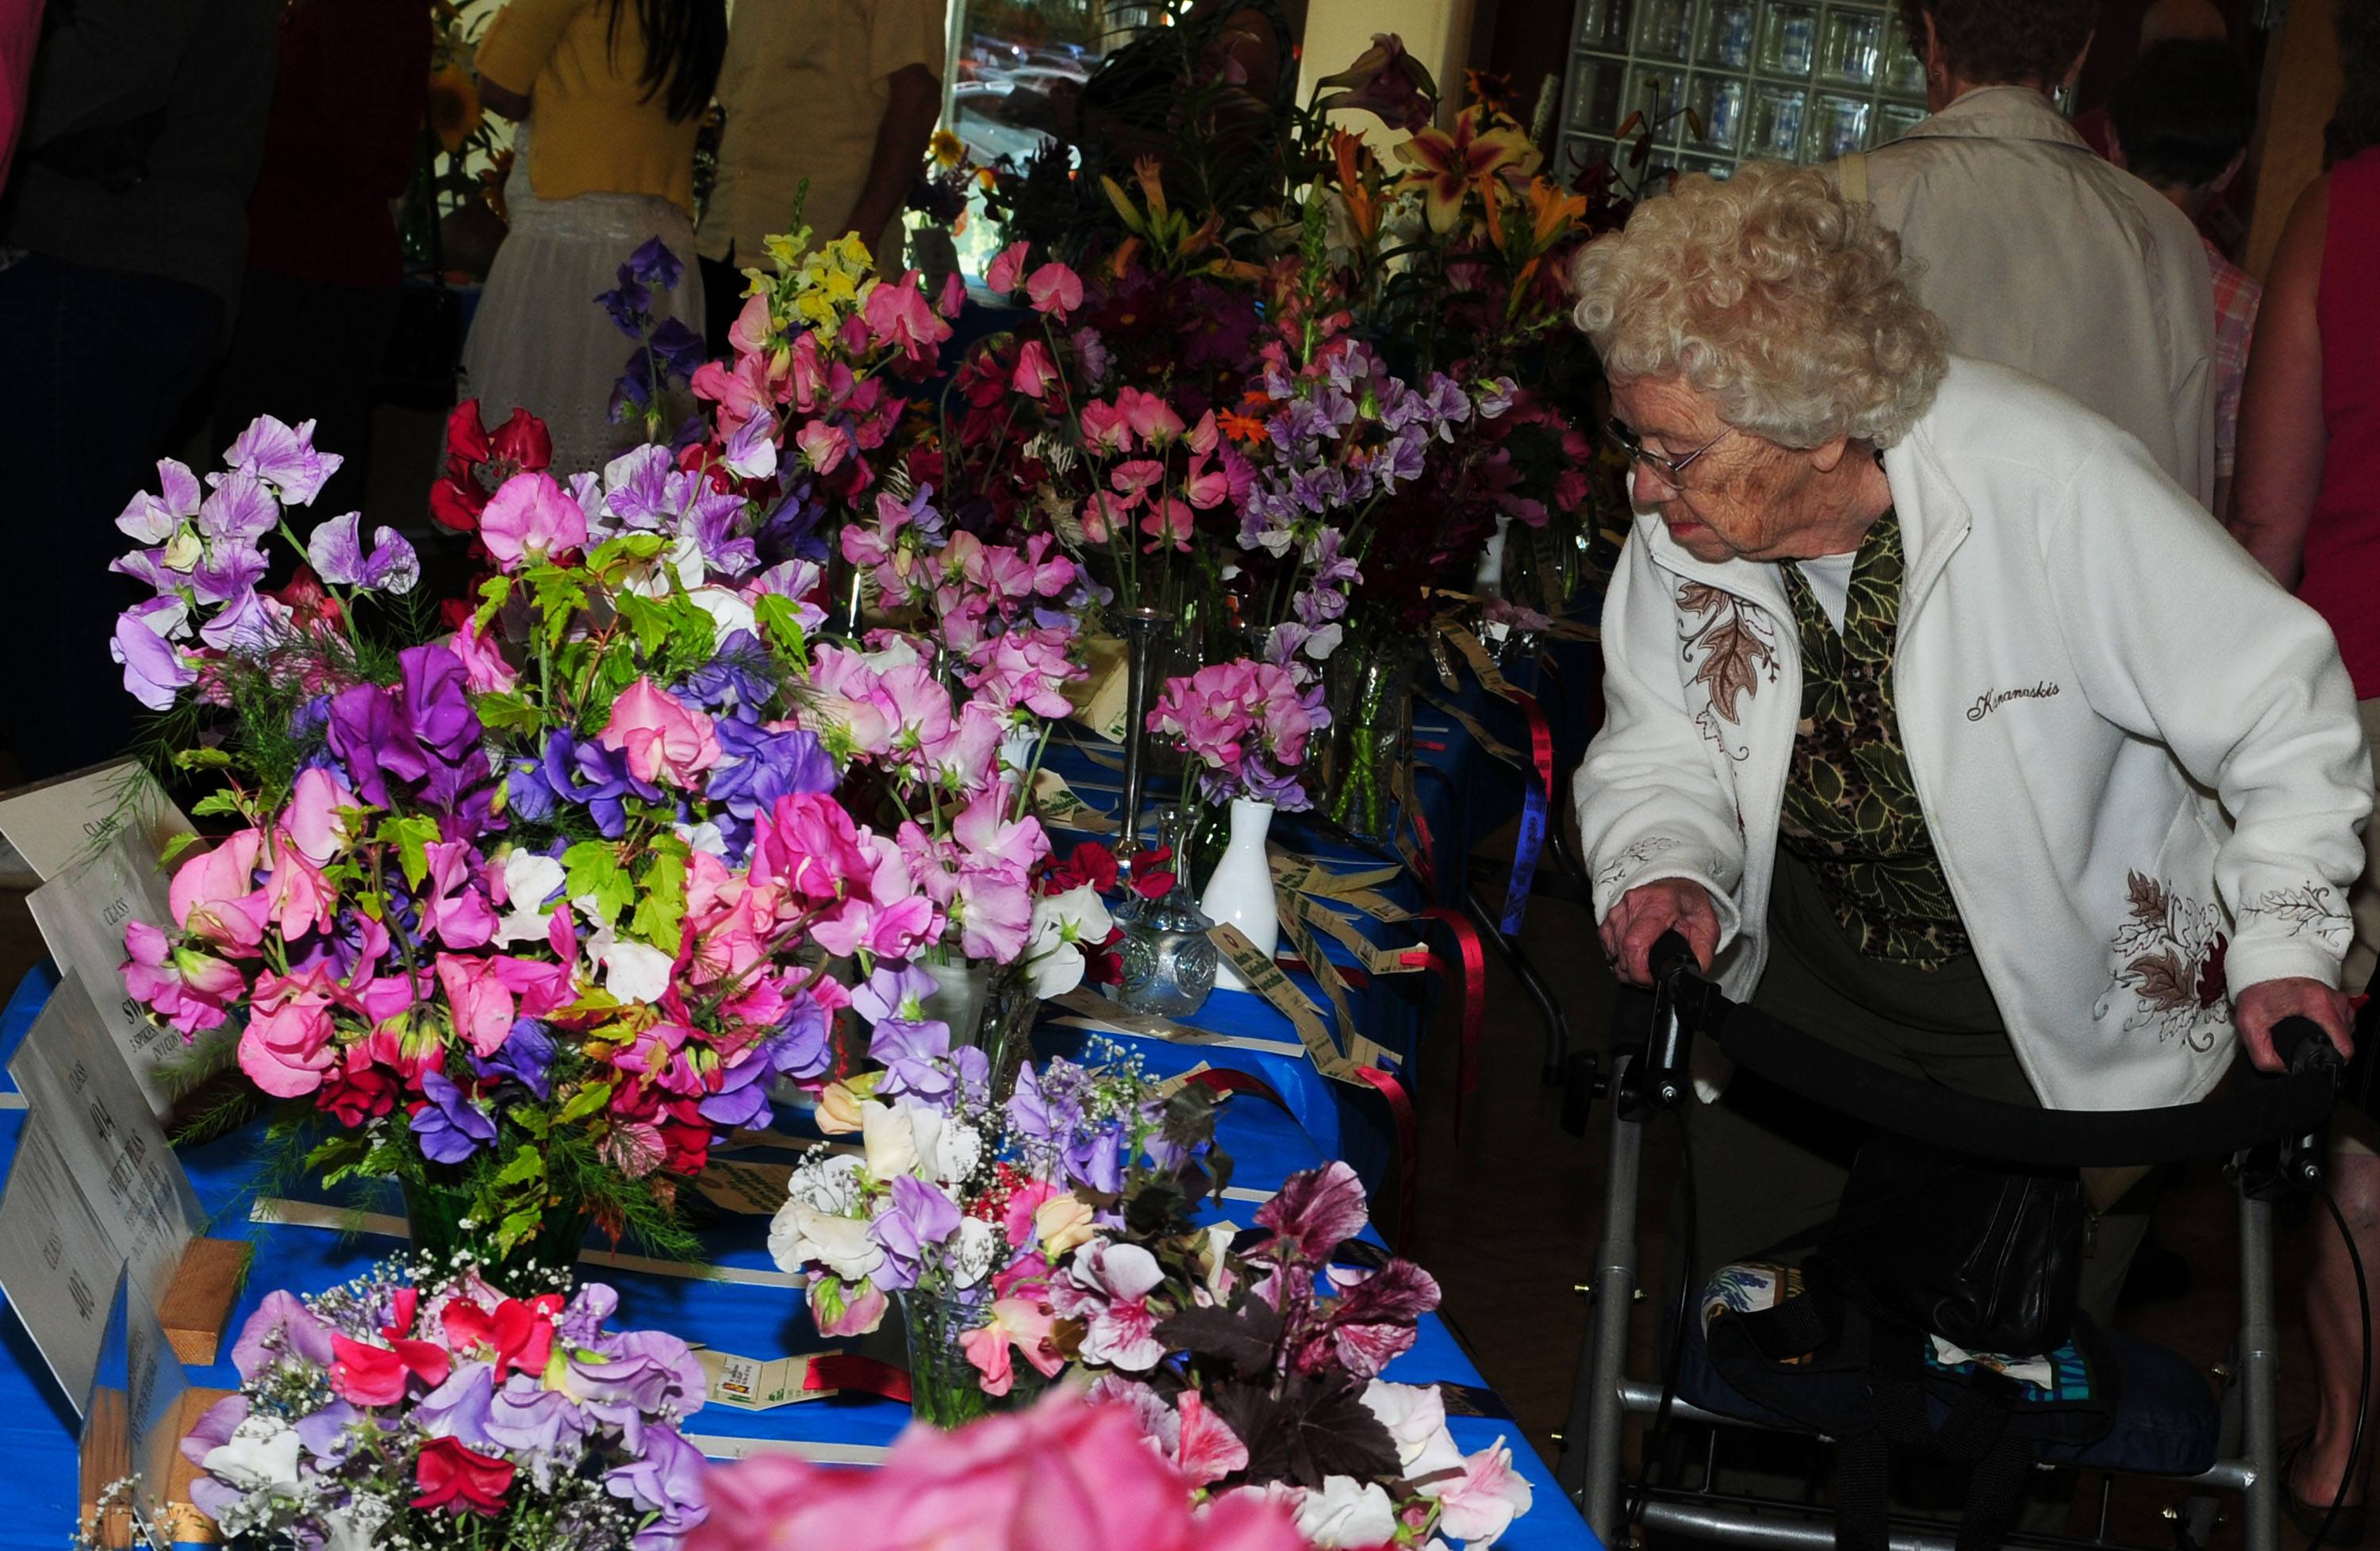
{"x":496,"y":590}
{"x":216,"y":804}
{"x":508,"y":712}
{"x":662,"y":908}
{"x":202,"y":759}
{"x":592,"y":866}
{"x":411,"y":834}
{"x":174,"y":849}
{"x":781,"y":622}
{"x":518,"y":1224}
{"x":527,"y":1164}
{"x":587,"y":1101}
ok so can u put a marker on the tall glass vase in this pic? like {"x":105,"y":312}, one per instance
{"x":1371,"y":711}
{"x":1240,"y":888}
{"x":945,"y":1390}
{"x":1141,"y":629}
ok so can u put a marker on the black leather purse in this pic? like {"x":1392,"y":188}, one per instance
{"x":1987,"y":1257}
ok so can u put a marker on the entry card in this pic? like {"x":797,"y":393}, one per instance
{"x":60,"y":822}
{"x":57,"y":1264}
{"x":114,"y":1146}
{"x":82,"y":912}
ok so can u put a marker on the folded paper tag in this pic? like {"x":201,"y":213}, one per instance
{"x":1361,"y":1051}
{"x":1266,"y":980}
{"x":751,"y":1384}
{"x":1060,"y":806}
{"x":1375,"y":958}
{"x":1100,"y":697}
{"x":752,"y":1189}
{"x":1307,"y":874}
{"x":1088,"y":1009}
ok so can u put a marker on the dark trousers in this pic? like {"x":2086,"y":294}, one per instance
{"x":305,"y":351}
{"x":100,"y":362}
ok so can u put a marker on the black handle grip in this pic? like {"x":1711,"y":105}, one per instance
{"x":2302,"y":1045}
{"x":1670,"y":952}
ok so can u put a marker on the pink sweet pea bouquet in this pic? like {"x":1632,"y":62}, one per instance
{"x":1246,"y":725}
{"x":385,"y":1413}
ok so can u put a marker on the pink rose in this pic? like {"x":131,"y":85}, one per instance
{"x":532,"y":518}
{"x":665,"y":740}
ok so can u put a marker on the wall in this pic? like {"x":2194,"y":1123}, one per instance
{"x":1437,"y":32}
{"x":2300,"y":91}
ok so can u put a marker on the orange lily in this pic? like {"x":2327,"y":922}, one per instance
{"x":1363,"y":209}
{"x":1446,"y":165}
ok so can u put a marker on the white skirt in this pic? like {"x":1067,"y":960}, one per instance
{"x":541,"y":341}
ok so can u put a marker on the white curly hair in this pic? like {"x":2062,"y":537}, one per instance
{"x":1774,"y":296}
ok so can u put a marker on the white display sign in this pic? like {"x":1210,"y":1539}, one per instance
{"x":65,"y":820}
{"x":82,"y":914}
{"x":58,"y":1264}
{"x":137,"y":1399}
{"x":74,"y":1083}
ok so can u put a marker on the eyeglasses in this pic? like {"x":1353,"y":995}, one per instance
{"x":1669,"y":470}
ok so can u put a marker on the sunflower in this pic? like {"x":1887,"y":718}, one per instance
{"x":455,"y":113}
{"x":946,"y":148}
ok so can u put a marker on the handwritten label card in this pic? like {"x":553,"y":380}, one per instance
{"x":61,"y":822}
{"x":103,"y":1131}
{"x":82,"y":912}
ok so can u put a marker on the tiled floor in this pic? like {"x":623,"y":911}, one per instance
{"x":1509,"y":1215}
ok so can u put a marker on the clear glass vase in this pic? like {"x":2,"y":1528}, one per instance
{"x":1371,"y":713}
{"x":945,"y":1390}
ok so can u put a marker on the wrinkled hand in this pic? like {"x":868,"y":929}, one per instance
{"x":1645,"y":913}
{"x":2257,"y":1009}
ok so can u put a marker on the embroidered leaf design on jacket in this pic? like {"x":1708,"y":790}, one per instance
{"x":2164,"y":982}
{"x":2149,"y":899}
{"x":1735,"y":655}
{"x":2304,"y":909}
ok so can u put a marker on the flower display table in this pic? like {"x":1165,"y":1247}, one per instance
{"x":749,"y":1313}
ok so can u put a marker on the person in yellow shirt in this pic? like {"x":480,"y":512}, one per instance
{"x":843,"y":93}
{"x":607,"y":96}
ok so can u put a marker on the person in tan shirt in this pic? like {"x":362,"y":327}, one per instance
{"x":843,"y":93}
{"x":2035,"y":252}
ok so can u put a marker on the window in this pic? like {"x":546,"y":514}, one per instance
{"x":1725,"y":80}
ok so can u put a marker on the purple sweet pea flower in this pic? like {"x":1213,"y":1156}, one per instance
{"x":228,"y":574}
{"x":638,"y":491}
{"x":451,"y":1127}
{"x":918,"y":1217}
{"x":583,"y":1316}
{"x":247,"y":624}
{"x":324,"y":1433}
{"x":237,"y":512}
{"x":458,"y":1408}
{"x":215,"y":1427}
{"x":737,"y":678}
{"x":433,"y":686}
{"x":336,"y":551}
{"x":1097,"y":1160}
{"x":524,"y":1057}
{"x":647,"y":1370}
{"x":666,"y":1482}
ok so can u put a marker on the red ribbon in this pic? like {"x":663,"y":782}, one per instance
{"x":843,"y":1369}
{"x":1408,"y":1131}
{"x":1474,"y":1000}
{"x":1541,"y":739}
{"x":1230,"y":1079}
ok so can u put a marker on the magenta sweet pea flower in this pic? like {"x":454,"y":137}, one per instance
{"x":476,"y":997}
{"x":1006,"y":269}
{"x":532,"y":518}
{"x":187,"y":988}
{"x":1055,"y":289}
{"x":666,"y":741}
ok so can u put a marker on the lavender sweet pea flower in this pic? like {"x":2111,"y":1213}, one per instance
{"x":281,"y":1327}
{"x":458,"y":1408}
{"x":583,"y":1318}
{"x":712,"y":515}
{"x":336,"y":551}
{"x":667,"y":1481}
{"x":526,"y":1418}
{"x":647,"y":1371}
{"x":248,"y":623}
{"x":806,"y":1049}
{"x":451,"y":1127}
{"x":285,"y":456}
{"x":918,"y":1217}
{"x":913,"y":1055}
{"x":237,"y":512}
{"x":896,"y":991}
{"x":324,"y":1433}
{"x":154,"y":672}
{"x":637,"y":489}
{"x":229,"y":572}
{"x":1494,"y":396}
{"x":1097,"y":1161}
{"x":1449,"y":405}
{"x":215,"y":1427}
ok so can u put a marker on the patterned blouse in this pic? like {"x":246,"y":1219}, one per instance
{"x":1851,"y":812}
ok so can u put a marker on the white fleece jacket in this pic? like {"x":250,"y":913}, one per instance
{"x":2139,"y":758}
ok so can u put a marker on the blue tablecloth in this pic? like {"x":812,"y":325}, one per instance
{"x":39,"y":1485}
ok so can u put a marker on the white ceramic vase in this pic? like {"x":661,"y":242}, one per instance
{"x":1240,"y":888}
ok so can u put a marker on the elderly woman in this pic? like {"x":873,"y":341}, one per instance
{"x":1942,"y":723}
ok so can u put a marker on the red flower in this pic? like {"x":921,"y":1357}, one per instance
{"x":360,"y":1092}
{"x":374,"y":1375}
{"x":478,"y":461}
{"x":1090,"y":862}
{"x":520,"y":1333}
{"x":453,"y":1476}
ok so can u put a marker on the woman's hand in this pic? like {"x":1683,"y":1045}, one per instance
{"x":1645,"y":913}
{"x":2261,"y":1006}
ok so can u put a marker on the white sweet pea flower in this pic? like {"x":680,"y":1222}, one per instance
{"x":357,"y":1526}
{"x":1061,"y":923}
{"x":1347,"y":1513}
{"x":728,"y":611}
{"x":704,"y":836}
{"x":969,"y":1253}
{"x":800,"y":1235}
{"x":260,"y":1456}
{"x":888,"y":1136}
{"x":530,"y":879}
{"x":1415,"y":1415}
{"x":894,"y":653}
{"x":1479,"y":1500}
{"x":828,"y":1183}
{"x":948,"y":1150}
{"x":636,"y":971}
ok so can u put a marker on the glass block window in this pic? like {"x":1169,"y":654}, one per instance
{"x":1724,"y":80}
